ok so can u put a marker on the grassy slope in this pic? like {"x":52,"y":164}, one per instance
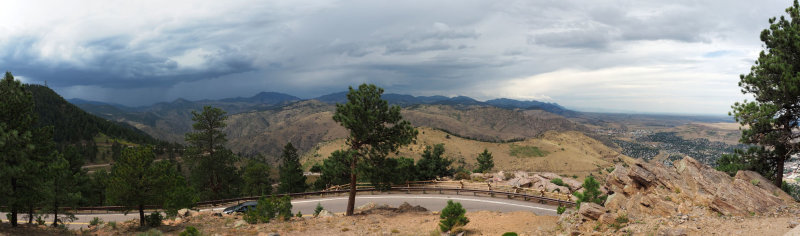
{"x":580,"y":156}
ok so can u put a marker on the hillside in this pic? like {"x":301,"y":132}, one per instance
{"x":569,"y":153}
{"x":310,"y":122}
{"x":71,"y":124}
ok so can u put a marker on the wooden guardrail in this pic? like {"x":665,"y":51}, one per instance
{"x":558,"y":200}
{"x":467,"y":185}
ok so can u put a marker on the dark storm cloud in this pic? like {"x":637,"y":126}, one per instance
{"x":212,"y":49}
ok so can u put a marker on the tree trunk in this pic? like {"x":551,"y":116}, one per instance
{"x":13,"y":206}
{"x":141,"y":215}
{"x":351,"y":200}
{"x":55,"y":213}
{"x":30,"y":214}
{"x":779,"y":173}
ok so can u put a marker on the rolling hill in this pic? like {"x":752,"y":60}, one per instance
{"x":568,"y":153}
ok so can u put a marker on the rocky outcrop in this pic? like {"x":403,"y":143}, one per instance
{"x":674,"y":195}
{"x":645,"y":188}
{"x":591,"y":210}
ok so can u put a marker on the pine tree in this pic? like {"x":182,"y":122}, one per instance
{"x":257,"y":180}
{"x":136,"y":180}
{"x":772,"y":119}
{"x":16,"y":165}
{"x":291,"y":172}
{"x":64,"y":186}
{"x":433,"y":164}
{"x":211,"y":164}
{"x":485,"y":161}
{"x":375,"y":129}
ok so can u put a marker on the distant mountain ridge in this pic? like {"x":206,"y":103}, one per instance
{"x":267,"y":100}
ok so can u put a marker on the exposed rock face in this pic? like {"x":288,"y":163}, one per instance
{"x":591,"y":210}
{"x":758,"y":180}
{"x":645,"y":188}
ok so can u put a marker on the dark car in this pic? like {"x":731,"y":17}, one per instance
{"x":243,"y":207}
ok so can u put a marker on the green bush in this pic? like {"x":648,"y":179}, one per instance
{"x":452,"y":216}
{"x":190,"y":231}
{"x":39,"y":220}
{"x":791,"y":189}
{"x":154,"y":219}
{"x":561,"y":209}
{"x":180,"y":197}
{"x":270,"y":208}
{"x":299,"y":214}
{"x":95,"y":221}
{"x":509,"y":234}
{"x":558,"y":181}
{"x":113,"y":224}
{"x":591,"y":192}
{"x":318,"y":209}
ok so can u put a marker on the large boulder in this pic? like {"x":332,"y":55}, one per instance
{"x":591,"y":210}
{"x":519,"y":182}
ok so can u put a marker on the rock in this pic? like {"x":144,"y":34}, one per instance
{"x":405,"y":207}
{"x":183,"y":212}
{"x":764,"y":183}
{"x":647,"y":188}
{"x":607,"y":218}
{"x":591,"y":210}
{"x":519,"y":182}
{"x":325,"y":214}
{"x":792,"y":224}
{"x":239,"y":223}
{"x":367,"y":206}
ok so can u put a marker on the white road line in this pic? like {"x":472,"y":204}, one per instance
{"x":407,"y":197}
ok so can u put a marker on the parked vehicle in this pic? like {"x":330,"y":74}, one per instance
{"x":242,"y":207}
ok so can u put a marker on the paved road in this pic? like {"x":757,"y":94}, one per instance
{"x":433,"y":202}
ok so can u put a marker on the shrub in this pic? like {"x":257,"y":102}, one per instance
{"x":561,"y":209}
{"x":154,"y":219}
{"x":39,"y":220}
{"x":318,"y":209}
{"x":190,"y":231}
{"x":451,"y":216}
{"x":113,"y":224}
{"x":299,"y":214}
{"x":508,"y":175}
{"x":461,"y":175}
{"x":95,"y":221}
{"x":178,"y":198}
{"x":591,"y":192}
{"x":270,"y":208}
{"x":754,"y":182}
{"x":509,"y":234}
{"x":558,"y":181}
{"x":622,"y":219}
{"x":791,"y":189}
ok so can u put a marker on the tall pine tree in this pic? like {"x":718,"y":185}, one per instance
{"x":292,"y":178}
{"x":376,"y":129}
{"x":17,"y":165}
{"x":211,"y":164}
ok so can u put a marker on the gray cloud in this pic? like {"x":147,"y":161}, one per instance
{"x":147,"y":52}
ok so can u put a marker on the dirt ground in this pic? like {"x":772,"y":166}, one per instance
{"x":381,"y":223}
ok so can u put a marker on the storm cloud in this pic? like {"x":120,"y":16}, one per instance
{"x":645,"y":56}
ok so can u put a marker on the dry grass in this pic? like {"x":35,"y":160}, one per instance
{"x":568,"y":153}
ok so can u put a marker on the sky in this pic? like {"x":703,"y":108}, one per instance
{"x":680,"y":57}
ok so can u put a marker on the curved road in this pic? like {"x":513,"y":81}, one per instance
{"x":433,"y":202}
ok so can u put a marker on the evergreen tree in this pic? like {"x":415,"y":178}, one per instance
{"x":771,"y":120}
{"x":335,"y":170}
{"x":257,"y":180}
{"x":64,"y":186}
{"x":433,"y":164}
{"x":212,"y":165}
{"x":136,"y":180}
{"x":16,"y":162}
{"x":485,"y":161}
{"x":375,"y":129}
{"x":291,"y":172}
